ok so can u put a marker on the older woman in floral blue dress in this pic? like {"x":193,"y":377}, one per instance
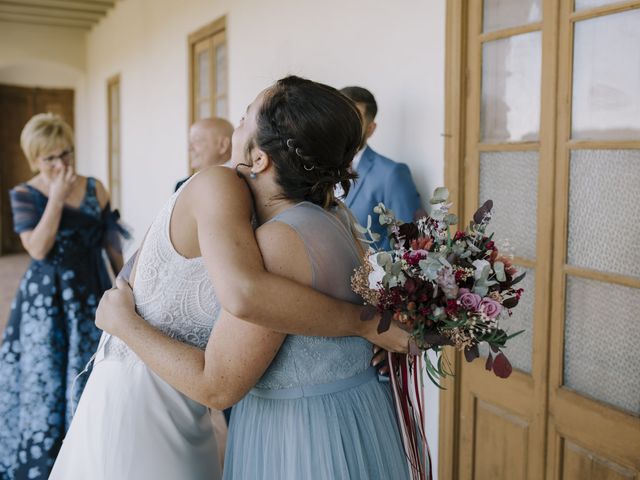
{"x":65,"y":223}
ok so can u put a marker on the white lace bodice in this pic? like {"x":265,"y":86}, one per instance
{"x":173,"y":293}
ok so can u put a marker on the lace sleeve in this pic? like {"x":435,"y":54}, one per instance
{"x":115,"y":231}
{"x":26,"y":213}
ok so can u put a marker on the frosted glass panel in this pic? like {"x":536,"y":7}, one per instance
{"x":221,"y":107}
{"x":221,"y":69}
{"x":604,"y":211}
{"x":499,"y":14}
{"x":584,"y":4}
{"x":606,"y":78}
{"x":601,"y":339}
{"x":510,"y":179}
{"x":204,"y":110}
{"x":203,"y":74}
{"x":511,"y":89}
{"x":519,"y":348}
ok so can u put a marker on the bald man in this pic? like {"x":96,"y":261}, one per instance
{"x":209,"y":144}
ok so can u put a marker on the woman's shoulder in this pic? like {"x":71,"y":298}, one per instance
{"x":24,"y":191}
{"x":218,"y":173}
{"x":218,"y":182}
{"x":21,"y":187}
{"x":284,"y":251}
{"x":101,"y":192}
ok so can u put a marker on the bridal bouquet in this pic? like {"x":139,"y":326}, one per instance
{"x":446,"y":288}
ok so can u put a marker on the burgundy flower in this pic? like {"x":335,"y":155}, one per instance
{"x":408,"y":232}
{"x":413,"y":258}
{"x":452,"y":307}
{"x":490,"y":244}
{"x":410,"y":285}
{"x":459,"y":235}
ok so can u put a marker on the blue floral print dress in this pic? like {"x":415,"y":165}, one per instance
{"x":51,"y":334}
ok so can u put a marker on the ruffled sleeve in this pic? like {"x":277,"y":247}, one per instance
{"x":115,"y":231}
{"x":26,"y":212}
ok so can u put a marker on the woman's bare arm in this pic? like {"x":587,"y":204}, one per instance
{"x":237,"y":354}
{"x":222,"y":206}
{"x":40,"y":240}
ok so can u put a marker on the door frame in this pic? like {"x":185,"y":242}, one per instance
{"x":454,"y":151}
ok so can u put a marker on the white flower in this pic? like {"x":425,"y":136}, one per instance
{"x":377,"y":272}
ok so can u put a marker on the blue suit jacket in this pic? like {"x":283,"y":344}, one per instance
{"x":382,"y":180}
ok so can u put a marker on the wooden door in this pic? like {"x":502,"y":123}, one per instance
{"x":17,"y":106}
{"x":544,"y":118}
{"x":508,"y":150}
{"x":594,"y":384}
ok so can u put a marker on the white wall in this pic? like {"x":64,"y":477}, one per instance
{"x":47,"y":57}
{"x":396,"y":49}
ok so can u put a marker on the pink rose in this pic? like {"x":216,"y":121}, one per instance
{"x":468,"y":300}
{"x":490,"y":307}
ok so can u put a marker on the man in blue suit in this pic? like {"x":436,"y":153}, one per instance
{"x":379,"y":178}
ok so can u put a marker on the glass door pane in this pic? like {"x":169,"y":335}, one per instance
{"x":606,"y":78}
{"x":511,"y":75}
{"x":500,"y":14}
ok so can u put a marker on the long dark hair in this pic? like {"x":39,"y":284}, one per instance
{"x":311,"y":132}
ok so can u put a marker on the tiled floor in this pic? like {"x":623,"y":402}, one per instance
{"x":12,"y":267}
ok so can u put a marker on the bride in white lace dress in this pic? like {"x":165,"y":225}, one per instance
{"x":132,"y":424}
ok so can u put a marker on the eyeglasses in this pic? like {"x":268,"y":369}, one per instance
{"x":64,"y":156}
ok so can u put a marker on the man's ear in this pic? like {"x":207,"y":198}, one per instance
{"x":224,"y":145}
{"x":370,"y":129}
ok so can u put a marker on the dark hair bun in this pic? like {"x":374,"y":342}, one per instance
{"x":311,"y":132}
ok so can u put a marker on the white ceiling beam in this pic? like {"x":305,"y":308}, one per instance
{"x":71,"y":5}
{"x":50,"y":12}
{"x":38,"y":20}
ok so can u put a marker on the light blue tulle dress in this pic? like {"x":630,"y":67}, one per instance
{"x":319,"y":412}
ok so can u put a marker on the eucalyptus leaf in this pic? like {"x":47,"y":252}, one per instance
{"x":396,"y":268}
{"x":360,"y":228}
{"x":472,"y":247}
{"x":384,"y":259}
{"x":498,"y":268}
{"x":440,"y":195}
{"x":451,"y":219}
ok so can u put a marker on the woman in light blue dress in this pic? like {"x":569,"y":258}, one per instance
{"x":319,"y":411}
{"x":310,"y":407}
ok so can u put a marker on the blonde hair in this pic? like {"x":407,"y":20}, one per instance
{"x":44,"y":132}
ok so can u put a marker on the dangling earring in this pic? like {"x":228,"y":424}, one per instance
{"x":252,"y":175}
